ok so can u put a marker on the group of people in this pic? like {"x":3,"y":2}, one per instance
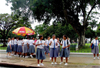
{"x":51,"y":46}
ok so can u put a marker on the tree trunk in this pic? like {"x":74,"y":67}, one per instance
{"x":82,"y":39}
{"x":4,"y":39}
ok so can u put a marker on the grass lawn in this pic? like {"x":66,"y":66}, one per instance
{"x":2,"y":48}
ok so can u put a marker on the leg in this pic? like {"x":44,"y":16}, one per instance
{"x":61,"y":59}
{"x":49,"y":54}
{"x":94,"y":55}
{"x":97,"y":55}
{"x":52,"y":59}
{"x":38,"y":61}
{"x":55,"y":59}
{"x":41,"y":61}
{"x":66,"y":59}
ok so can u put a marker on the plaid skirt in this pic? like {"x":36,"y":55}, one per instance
{"x":31,"y":49}
{"x":19,"y":48}
{"x":53,"y":52}
{"x":46,"y":49}
{"x":15,"y":47}
{"x":95,"y":50}
{"x":40,"y":54}
{"x":64,"y":53}
{"x":8,"y":49}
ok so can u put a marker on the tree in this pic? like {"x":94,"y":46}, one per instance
{"x":59,"y":30}
{"x":9,"y":22}
{"x":60,"y":10}
{"x":98,"y":30}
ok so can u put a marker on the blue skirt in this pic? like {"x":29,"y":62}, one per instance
{"x":12,"y":46}
{"x":25,"y":49}
{"x":53,"y":52}
{"x":58,"y":49}
{"x":40,"y":54}
{"x":15,"y":47}
{"x":64,"y":53}
{"x":31,"y":49}
{"x":8,"y":49}
{"x":19,"y":48}
{"x":46,"y":48}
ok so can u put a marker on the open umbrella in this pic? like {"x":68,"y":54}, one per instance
{"x":23,"y":31}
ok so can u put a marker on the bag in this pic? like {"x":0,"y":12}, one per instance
{"x":92,"y":47}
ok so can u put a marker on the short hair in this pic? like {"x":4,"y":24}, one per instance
{"x":65,"y":36}
{"x":40,"y":36}
{"x":48,"y":36}
{"x":53,"y":35}
{"x":96,"y":36}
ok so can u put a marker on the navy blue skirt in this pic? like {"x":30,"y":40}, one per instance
{"x":53,"y":52}
{"x":19,"y":48}
{"x":40,"y":54}
{"x":15,"y":47}
{"x":31,"y":49}
{"x":46,"y":48}
{"x":12,"y":46}
{"x":8,"y":49}
{"x":64,"y":53}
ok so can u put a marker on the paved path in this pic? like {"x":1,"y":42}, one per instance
{"x":75,"y":61}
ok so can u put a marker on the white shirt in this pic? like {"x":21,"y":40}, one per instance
{"x":52,"y":44}
{"x":12,"y":42}
{"x":9,"y":43}
{"x":20,"y":42}
{"x":94,"y":42}
{"x":67,"y":43}
{"x":25,"y":41}
{"x":15,"y":41}
{"x":58,"y":44}
{"x":30,"y":42}
{"x":47,"y":42}
{"x":39,"y":42}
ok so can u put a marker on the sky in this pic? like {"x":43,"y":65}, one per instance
{"x":6,"y":9}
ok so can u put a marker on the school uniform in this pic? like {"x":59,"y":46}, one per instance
{"x":53,"y":48}
{"x":15,"y":45}
{"x":19,"y":46}
{"x":12,"y":45}
{"x":31,"y":46}
{"x":46,"y":48}
{"x":25,"y":48}
{"x":64,"y":52}
{"x":95,"y":50}
{"x":40,"y":54}
{"x":8,"y":47}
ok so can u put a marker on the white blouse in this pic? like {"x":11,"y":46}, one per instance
{"x":67,"y":43}
{"x":39,"y":42}
{"x":95,"y":42}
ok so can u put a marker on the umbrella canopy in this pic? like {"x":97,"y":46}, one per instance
{"x":23,"y":31}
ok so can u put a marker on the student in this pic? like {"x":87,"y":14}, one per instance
{"x":19,"y":50}
{"x":95,"y":50}
{"x":9,"y":48}
{"x":40,"y":55}
{"x":15,"y":45}
{"x":31,"y":47}
{"x":46,"y":48}
{"x":12,"y":45}
{"x":53,"y":49}
{"x":64,"y":50}
{"x":58,"y":46}
{"x":25,"y":47}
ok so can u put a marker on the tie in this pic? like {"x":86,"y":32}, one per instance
{"x":96,"y":42}
{"x":48,"y":43}
{"x":54,"y":44}
{"x":64,"y":44}
{"x":41,"y":42}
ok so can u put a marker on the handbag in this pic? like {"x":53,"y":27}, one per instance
{"x":92,"y":47}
